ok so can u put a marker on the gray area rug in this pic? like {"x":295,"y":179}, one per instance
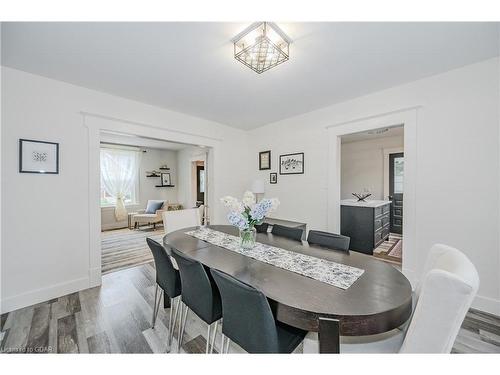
{"x":124,"y":248}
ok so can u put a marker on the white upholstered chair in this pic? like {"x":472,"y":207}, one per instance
{"x":443,"y":297}
{"x":175,"y":220}
{"x":144,"y":217}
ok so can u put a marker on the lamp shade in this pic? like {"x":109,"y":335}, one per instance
{"x":258,"y":187}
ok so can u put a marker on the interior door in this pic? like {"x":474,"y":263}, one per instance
{"x":396,"y":176}
{"x":200,"y":184}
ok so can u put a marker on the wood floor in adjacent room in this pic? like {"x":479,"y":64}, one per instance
{"x":116,"y":318}
{"x":124,"y":248}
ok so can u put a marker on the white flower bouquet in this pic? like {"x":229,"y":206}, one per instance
{"x":247,"y":213}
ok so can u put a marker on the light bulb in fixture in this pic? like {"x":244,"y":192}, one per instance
{"x":268,"y":49}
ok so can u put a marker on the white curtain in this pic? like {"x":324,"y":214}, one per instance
{"x":119,"y":172}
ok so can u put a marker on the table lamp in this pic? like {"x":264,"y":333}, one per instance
{"x":258,"y":188}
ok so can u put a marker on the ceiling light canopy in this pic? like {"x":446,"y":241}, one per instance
{"x":262,"y":46}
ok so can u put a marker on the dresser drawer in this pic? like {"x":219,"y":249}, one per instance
{"x":378,"y":238}
{"x":381,"y":221}
{"x":381,"y":234}
{"x":382,"y":210}
{"x":385,"y":231}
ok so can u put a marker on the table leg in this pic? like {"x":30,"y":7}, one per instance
{"x":329,"y":335}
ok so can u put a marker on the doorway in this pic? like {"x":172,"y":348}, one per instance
{"x":200,"y":183}
{"x":411,"y":262}
{"x":141,"y":178}
{"x":374,"y":223}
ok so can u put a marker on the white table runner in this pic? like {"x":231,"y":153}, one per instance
{"x":323,"y":270}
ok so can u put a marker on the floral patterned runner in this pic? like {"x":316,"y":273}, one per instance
{"x":323,"y":270}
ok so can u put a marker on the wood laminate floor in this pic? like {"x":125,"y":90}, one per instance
{"x":116,"y":318}
{"x":124,"y":248}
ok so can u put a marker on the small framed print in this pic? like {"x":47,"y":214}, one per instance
{"x":292,"y":163}
{"x":165,"y":179}
{"x":264,"y":160}
{"x":38,"y":157}
{"x":273,"y":178}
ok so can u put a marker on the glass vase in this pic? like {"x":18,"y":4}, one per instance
{"x":248,"y":237}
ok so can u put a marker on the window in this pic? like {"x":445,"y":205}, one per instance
{"x":119,"y":176}
{"x":399,"y":163}
{"x":109,"y":200}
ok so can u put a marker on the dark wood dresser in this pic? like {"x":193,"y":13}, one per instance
{"x":367,"y":223}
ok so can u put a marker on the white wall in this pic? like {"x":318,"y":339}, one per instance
{"x":47,"y":246}
{"x":150,"y":160}
{"x":457,"y":186}
{"x":363,"y":166}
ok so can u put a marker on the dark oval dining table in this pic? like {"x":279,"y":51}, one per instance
{"x":379,"y":301}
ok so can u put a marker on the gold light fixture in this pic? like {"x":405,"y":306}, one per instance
{"x":262,"y":46}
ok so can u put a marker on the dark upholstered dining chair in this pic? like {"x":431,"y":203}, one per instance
{"x":329,"y":240}
{"x":169,"y":281}
{"x":249,"y":320}
{"x":262,"y":228}
{"x":199,"y":294}
{"x":291,"y":233}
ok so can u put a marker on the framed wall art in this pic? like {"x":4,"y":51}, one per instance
{"x":264,"y":160}
{"x":273,"y":178}
{"x":292,"y":163}
{"x":165,"y":179}
{"x":38,"y":157}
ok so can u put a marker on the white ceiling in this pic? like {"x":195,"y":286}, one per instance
{"x":133,"y":140}
{"x":190,"y":68}
{"x":395,"y":131}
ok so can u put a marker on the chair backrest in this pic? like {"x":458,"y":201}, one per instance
{"x":444,"y":295}
{"x":291,"y":233}
{"x":178,"y":219}
{"x":329,"y":240}
{"x":248,"y":319}
{"x":199,"y":291}
{"x":262,"y":228}
{"x":166,"y":275}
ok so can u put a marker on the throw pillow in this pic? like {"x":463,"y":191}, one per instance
{"x":153,"y":206}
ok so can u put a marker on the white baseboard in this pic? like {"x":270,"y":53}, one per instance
{"x":487,"y":304}
{"x":43,"y":294}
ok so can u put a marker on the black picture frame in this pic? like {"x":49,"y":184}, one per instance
{"x":164,"y":179}
{"x":294,"y":170}
{"x":273,"y":178}
{"x":23,"y":169}
{"x":262,"y":165}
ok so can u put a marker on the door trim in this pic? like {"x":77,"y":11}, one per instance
{"x":412,"y":263}
{"x":94,"y":124}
